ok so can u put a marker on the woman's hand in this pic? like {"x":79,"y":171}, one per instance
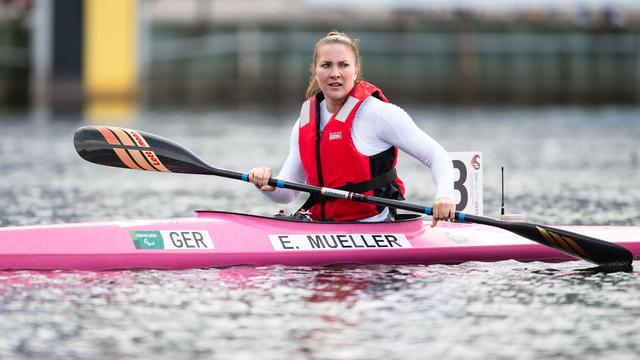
{"x":259,"y":177}
{"x":443,"y":209}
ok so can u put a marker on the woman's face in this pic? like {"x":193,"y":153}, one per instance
{"x":336,"y":71}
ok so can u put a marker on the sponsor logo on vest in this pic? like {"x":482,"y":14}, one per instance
{"x":172,"y":240}
{"x":335,"y":135}
{"x":338,"y":241}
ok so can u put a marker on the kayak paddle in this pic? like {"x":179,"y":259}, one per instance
{"x":126,"y":148}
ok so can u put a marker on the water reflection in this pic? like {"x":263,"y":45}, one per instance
{"x":363,"y":311}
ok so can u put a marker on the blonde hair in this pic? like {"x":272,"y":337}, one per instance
{"x":333,"y":37}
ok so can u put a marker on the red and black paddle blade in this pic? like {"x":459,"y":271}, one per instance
{"x":597,"y":251}
{"x":133,"y":149}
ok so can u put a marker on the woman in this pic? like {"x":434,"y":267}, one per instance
{"x":347,"y":137}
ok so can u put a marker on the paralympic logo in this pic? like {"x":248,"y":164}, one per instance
{"x":149,"y":243}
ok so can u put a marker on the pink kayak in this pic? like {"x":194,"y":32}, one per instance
{"x":217,"y":239}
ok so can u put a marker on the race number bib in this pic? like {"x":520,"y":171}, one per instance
{"x":467,"y":183}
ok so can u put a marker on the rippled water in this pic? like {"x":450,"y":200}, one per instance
{"x":563,"y":166}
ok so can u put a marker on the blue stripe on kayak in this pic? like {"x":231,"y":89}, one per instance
{"x":280,"y":183}
{"x":460,"y":216}
{"x":245,"y":177}
{"x":428,"y":211}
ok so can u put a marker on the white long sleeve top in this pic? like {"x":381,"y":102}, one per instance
{"x":377,"y":127}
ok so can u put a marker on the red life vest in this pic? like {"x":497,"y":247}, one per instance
{"x":330,"y":159}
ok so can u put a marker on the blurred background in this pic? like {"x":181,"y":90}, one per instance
{"x":547,"y":89}
{"x":116,"y":56}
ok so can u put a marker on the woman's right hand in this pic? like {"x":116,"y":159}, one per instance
{"x":260,"y":176}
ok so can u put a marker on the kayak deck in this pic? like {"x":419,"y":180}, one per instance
{"x":219,"y":239}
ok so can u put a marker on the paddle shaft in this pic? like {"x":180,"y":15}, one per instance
{"x":575,"y":245}
{"x":133,"y":149}
{"x":572,"y":244}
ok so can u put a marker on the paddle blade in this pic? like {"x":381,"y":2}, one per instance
{"x":587,"y":248}
{"x":573,"y":244}
{"x":132,"y":149}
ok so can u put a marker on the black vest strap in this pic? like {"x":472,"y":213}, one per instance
{"x":374,"y":183}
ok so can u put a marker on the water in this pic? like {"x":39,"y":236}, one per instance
{"x":563,"y":166}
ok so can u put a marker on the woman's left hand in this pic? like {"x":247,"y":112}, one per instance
{"x":443,"y":209}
